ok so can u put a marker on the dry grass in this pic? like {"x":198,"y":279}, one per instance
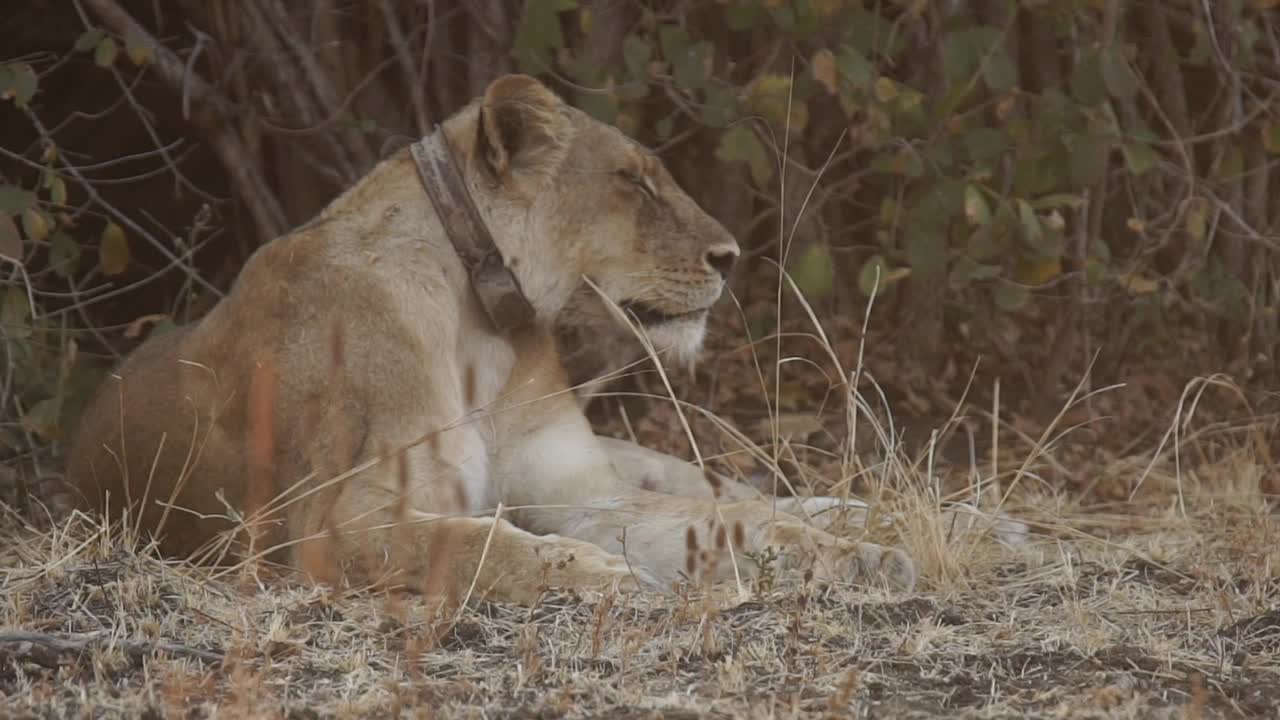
{"x":1144,"y":613}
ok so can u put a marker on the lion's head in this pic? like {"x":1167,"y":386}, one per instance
{"x":585,"y":204}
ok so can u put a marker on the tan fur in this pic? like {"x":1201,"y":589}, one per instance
{"x":353,"y":348}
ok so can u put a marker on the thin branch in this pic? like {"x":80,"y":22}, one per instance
{"x":52,"y":651}
{"x":209,"y":114}
{"x":417,"y":93}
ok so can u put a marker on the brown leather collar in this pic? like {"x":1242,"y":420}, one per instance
{"x":493,"y":282}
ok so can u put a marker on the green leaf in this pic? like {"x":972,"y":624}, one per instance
{"x":665,"y":127}
{"x":64,"y":254}
{"x":89,"y":39}
{"x":926,"y":248}
{"x":740,"y":144}
{"x":985,"y":243}
{"x":877,"y":269}
{"x":1197,"y":220}
{"x":886,"y":90}
{"x":1271,"y":136}
{"x":14,"y":199}
{"x":889,"y":211}
{"x":1232,"y":165}
{"x":784,"y":15}
{"x":1057,"y":200}
{"x":960,"y":55}
{"x":602,"y":106}
{"x":1000,"y":72}
{"x":58,"y":191}
{"x":991,"y":241}
{"x":10,"y":242}
{"x":539,"y":32}
{"x":1032,"y":230}
{"x":1010,"y":297}
{"x":941,"y":154}
{"x":19,"y":82}
{"x":1037,"y":270}
{"x":105,"y":54}
{"x":42,"y":419}
{"x":720,"y":108}
{"x":814,"y":272}
{"x":1116,"y":73}
{"x":113,"y":254}
{"x":976,"y":209}
{"x":674,"y":41}
{"x":1087,"y":83}
{"x":636,"y":54}
{"x":902,"y":161}
{"x":14,"y":313}
{"x":1088,"y":158}
{"x":965,"y":270}
{"x":771,"y":97}
{"x":139,"y":53}
{"x":35,"y":224}
{"x":855,"y":67}
{"x":986,"y":143}
{"x":692,"y":67}
{"x":744,"y":14}
{"x":967,"y":50}
{"x":873,"y":34}
{"x":1201,"y":46}
{"x":1139,"y":157}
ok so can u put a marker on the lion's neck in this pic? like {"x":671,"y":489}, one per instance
{"x":526,"y":235}
{"x":528,"y":239}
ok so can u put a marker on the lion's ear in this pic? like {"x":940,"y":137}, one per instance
{"x":522,"y":129}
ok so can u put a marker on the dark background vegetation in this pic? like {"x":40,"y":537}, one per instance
{"x":1041,"y":186}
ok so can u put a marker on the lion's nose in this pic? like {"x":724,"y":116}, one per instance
{"x":721,"y":259}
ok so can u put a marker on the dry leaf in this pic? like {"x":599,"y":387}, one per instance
{"x":135,"y":327}
{"x":824,"y":70}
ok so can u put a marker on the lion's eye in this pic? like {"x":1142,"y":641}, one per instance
{"x":639,"y":181}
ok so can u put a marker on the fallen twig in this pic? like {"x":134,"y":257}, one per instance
{"x":50,"y":650}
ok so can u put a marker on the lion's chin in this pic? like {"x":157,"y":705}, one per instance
{"x":678,"y":340}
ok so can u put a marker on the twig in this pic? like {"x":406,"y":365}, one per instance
{"x":51,"y":651}
{"x":120,"y":217}
{"x":268,"y":216}
{"x":401,"y":46}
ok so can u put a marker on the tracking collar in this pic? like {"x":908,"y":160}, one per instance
{"x":493,"y":282}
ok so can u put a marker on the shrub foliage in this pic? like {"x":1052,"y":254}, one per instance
{"x":1036,"y":179}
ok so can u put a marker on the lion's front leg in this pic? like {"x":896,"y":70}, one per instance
{"x":559,"y":478}
{"x":451,"y":556}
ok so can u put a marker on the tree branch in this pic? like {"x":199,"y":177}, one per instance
{"x":210,"y":115}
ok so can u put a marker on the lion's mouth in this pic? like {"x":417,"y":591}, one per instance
{"x":649,"y":315}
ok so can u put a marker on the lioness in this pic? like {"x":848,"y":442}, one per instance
{"x":352,"y":390}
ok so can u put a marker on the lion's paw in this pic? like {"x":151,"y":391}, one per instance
{"x":866,"y":564}
{"x":870,"y":563}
